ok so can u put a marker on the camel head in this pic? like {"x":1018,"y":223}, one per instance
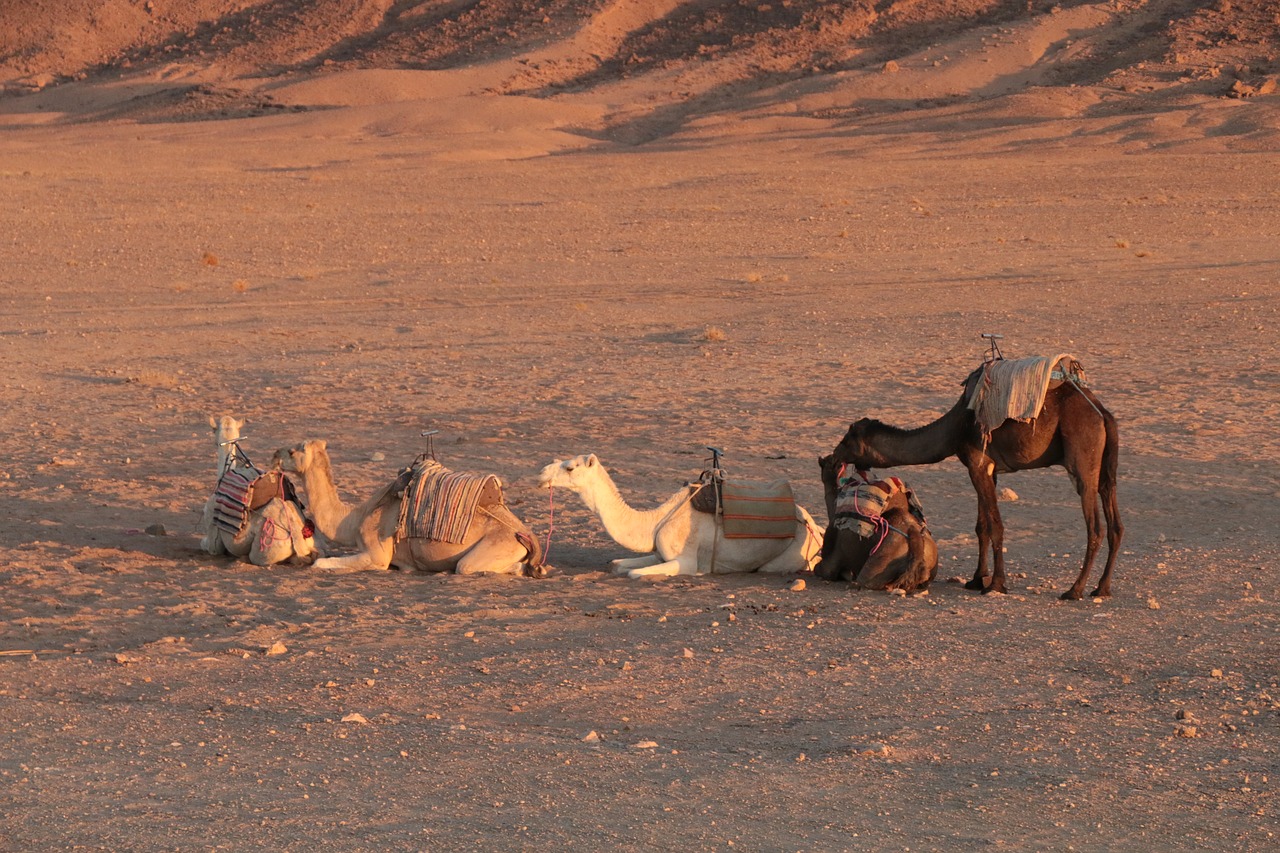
{"x":299,"y":458}
{"x":225,"y":428}
{"x":829,"y":469}
{"x":858,"y":449}
{"x":574,"y":474}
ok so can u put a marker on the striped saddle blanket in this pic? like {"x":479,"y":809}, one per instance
{"x":1015,"y":388}
{"x":860,"y":506}
{"x":242,"y":489}
{"x":440,"y":504}
{"x":751,"y":510}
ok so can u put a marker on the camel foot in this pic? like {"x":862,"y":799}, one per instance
{"x":1072,"y":594}
{"x":994,"y":588}
{"x":538,"y":571}
{"x":1101,"y":593}
{"x":976,"y":583}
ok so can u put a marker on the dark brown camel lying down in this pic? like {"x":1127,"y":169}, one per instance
{"x":876,"y":536}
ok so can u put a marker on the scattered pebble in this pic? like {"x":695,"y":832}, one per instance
{"x":796,"y":585}
{"x":1217,"y":673}
{"x":645,"y":744}
{"x":1007,"y":494}
{"x":355,"y":718}
{"x":156,"y":530}
{"x":591,"y":737}
{"x":1187,"y":731}
{"x":1152,"y":604}
{"x":277,"y":648}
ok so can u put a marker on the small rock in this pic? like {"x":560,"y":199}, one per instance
{"x":1152,"y":604}
{"x":355,"y":718}
{"x":277,"y":648}
{"x":1217,"y":673}
{"x":645,"y":744}
{"x":1007,"y":494}
{"x":688,"y":653}
{"x":1187,"y":731}
{"x":378,"y":456}
{"x":591,"y":737}
{"x":796,"y":585}
{"x":891,"y":67}
{"x":156,"y":530}
{"x":1184,"y":714}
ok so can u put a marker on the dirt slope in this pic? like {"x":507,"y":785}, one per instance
{"x":694,"y":58}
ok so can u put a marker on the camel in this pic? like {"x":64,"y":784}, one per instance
{"x":905,"y":558}
{"x":275,"y":533}
{"x":496,"y":542}
{"x":674,"y":538}
{"x":1073,"y":430}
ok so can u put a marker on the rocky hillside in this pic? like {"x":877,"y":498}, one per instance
{"x":704,"y":55}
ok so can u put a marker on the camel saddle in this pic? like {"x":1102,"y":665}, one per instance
{"x":440,"y":504}
{"x":1016,"y":388}
{"x":242,"y":489}
{"x":860,"y":506}
{"x":749,"y":510}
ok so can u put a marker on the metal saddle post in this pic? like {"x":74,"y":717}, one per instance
{"x":429,"y":435}
{"x":716,"y":477}
{"x":994,"y":354}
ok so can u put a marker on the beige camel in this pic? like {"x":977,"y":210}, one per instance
{"x":497,"y":542}
{"x":274,"y":533}
{"x":675,"y":538}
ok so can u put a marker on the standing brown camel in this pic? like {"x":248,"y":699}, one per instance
{"x":1073,"y":430}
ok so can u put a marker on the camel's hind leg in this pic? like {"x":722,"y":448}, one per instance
{"x":1086,"y":470}
{"x":1110,"y":505}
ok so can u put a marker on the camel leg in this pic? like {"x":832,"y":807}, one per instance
{"x":990,"y":527}
{"x":1110,"y":506}
{"x":212,"y":541}
{"x":494,"y":554}
{"x":681,"y":565}
{"x":621,"y":567}
{"x":828,"y":567}
{"x":1093,"y":534}
{"x":376,"y":556}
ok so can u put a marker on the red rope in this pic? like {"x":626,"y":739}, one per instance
{"x":551,"y":521}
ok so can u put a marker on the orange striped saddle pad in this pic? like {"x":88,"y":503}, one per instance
{"x":751,"y":510}
{"x":440,"y":504}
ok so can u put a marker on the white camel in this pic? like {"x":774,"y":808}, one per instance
{"x":675,"y":538}
{"x":275,"y":533}
{"x":496,"y":542}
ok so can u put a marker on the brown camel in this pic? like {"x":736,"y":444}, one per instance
{"x":904,"y":557}
{"x":1073,"y":430}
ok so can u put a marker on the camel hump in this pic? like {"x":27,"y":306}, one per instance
{"x":440,"y":504}
{"x":1016,"y":388}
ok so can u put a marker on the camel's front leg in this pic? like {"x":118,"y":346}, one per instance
{"x":376,"y":557}
{"x":681,"y":565}
{"x":989,"y":527}
{"x":626,"y":564}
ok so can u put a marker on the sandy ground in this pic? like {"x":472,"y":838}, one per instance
{"x":398,"y":261}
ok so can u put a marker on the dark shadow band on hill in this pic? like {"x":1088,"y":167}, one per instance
{"x":189,"y":103}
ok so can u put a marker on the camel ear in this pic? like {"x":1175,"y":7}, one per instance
{"x":322,"y":443}
{"x":240,"y":424}
{"x":213,"y":422}
{"x":592,"y":460}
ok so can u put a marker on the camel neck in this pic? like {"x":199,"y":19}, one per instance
{"x":923,"y":445}
{"x":327,"y":509}
{"x":631,"y":528}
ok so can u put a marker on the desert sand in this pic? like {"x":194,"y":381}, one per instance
{"x":633,"y":229}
